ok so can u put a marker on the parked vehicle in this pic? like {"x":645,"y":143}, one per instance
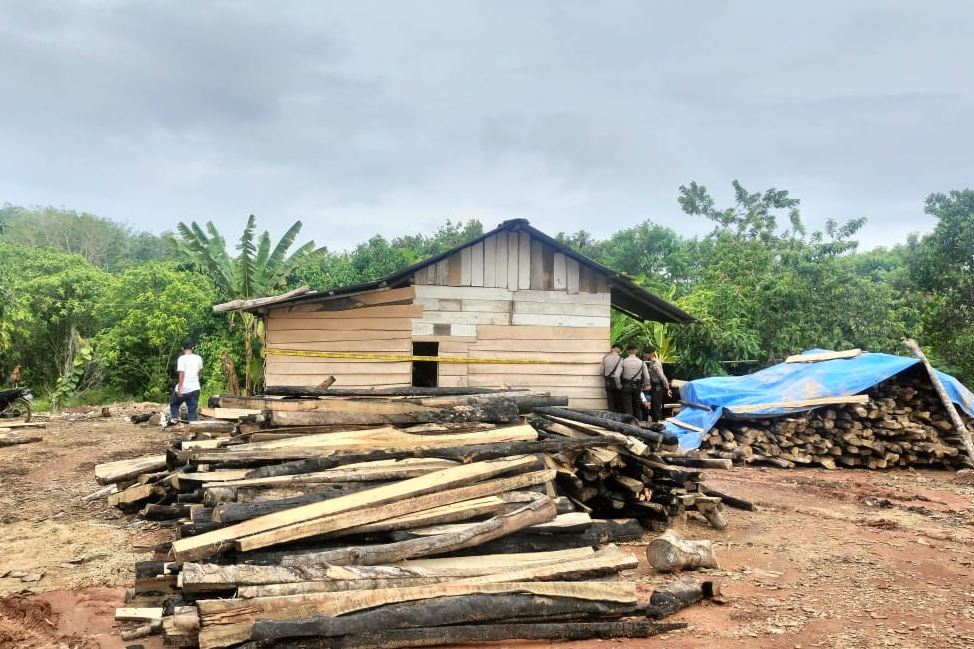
{"x":15,"y":404}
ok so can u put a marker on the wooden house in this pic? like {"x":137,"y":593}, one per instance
{"x":512,"y":308}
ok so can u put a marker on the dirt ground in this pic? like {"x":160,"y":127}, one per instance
{"x":832,"y":559}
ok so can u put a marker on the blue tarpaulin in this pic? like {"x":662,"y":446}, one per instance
{"x":794,"y":382}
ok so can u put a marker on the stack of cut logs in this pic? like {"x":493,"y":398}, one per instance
{"x":406,"y":519}
{"x":899,"y":423}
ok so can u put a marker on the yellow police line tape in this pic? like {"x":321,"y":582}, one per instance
{"x":273,"y":351}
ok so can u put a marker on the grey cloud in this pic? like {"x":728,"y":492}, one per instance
{"x":392,"y":117}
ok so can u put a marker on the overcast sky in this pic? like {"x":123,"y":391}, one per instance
{"x":392,"y":117}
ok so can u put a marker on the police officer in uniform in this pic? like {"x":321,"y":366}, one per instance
{"x":659,"y":386}
{"x":630,"y":377}
{"x":612,"y":360}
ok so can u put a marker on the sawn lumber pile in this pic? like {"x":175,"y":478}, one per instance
{"x":903,"y":423}
{"x":402,"y":520}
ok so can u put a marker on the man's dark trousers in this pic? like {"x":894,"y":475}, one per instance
{"x":613,"y":398}
{"x":656,"y":401}
{"x":191,"y":399}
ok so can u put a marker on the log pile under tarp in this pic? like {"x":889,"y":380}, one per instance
{"x":901,"y":422}
{"x":402,"y":521}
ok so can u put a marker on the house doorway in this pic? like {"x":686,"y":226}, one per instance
{"x":426,"y":373}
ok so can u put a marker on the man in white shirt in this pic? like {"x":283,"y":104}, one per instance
{"x":187,"y":391}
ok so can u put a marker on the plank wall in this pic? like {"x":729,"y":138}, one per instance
{"x":508,"y":297}
{"x":378,"y":322}
{"x":512,"y":261}
{"x":496,"y":323}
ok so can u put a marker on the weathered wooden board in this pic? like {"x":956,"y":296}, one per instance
{"x":372,"y":345}
{"x":501,"y":271}
{"x":362,"y":313}
{"x":513,"y":268}
{"x":523,"y":260}
{"x":227,"y":622}
{"x":823,"y":356}
{"x":477,"y":264}
{"x":210,"y":543}
{"x":571,"y":272}
{"x":109,"y":472}
{"x":490,"y":332}
{"x":560,"y":272}
{"x":490,"y":261}
{"x":500,"y":525}
{"x":460,"y":293}
{"x":532,"y":319}
{"x":466,"y":266}
{"x":443,"y":272}
{"x":282,"y":323}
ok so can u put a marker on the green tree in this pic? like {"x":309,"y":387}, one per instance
{"x":108,"y":245}
{"x":942,"y":266}
{"x":258,"y":269}
{"x":152,"y":308}
{"x":52,"y":297}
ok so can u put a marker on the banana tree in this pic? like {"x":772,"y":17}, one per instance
{"x":258,"y":269}
{"x":626,"y":330}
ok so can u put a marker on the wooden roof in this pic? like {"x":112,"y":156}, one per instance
{"x":626,"y":295}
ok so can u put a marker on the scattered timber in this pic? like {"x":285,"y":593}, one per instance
{"x":434,"y":515}
{"x":902,"y":422}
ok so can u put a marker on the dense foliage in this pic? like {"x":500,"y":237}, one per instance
{"x":86,"y":303}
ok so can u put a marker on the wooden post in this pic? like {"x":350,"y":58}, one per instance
{"x":965,"y":434}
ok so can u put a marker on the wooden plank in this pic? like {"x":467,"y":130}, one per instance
{"x":454,"y":270}
{"x":512,"y":260}
{"x":547,"y":383}
{"x":128,"y":614}
{"x":133,"y":494}
{"x":431,"y":274}
{"x":210,"y":543}
{"x":487,"y":306}
{"x":571,"y":276}
{"x":523,"y":260}
{"x":381,"y":311}
{"x":468,"y":318}
{"x":489,"y":635}
{"x":490,"y":332}
{"x":376,"y":297}
{"x":586,"y":280}
{"x":560,"y":308}
{"x":277,"y":336}
{"x":560,"y":276}
{"x":477,"y":264}
{"x":226,"y":622}
{"x":803,"y":403}
{"x":823,"y":356}
{"x":500,"y":260}
{"x":551,"y":297}
{"x":373,"y":345}
{"x":440,"y":569}
{"x":299,"y":365}
{"x":550,"y":369}
{"x":547,"y":268}
{"x":461,"y":293}
{"x":345,"y":380}
{"x":229,"y":414}
{"x":443,"y":272}
{"x":466,"y":266}
{"x":120,"y":470}
{"x":338,"y":324}
{"x":535,"y":512}
{"x":555,"y":345}
{"x":540,"y":320}
{"x":490,"y":261}
{"x":537,"y":266}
